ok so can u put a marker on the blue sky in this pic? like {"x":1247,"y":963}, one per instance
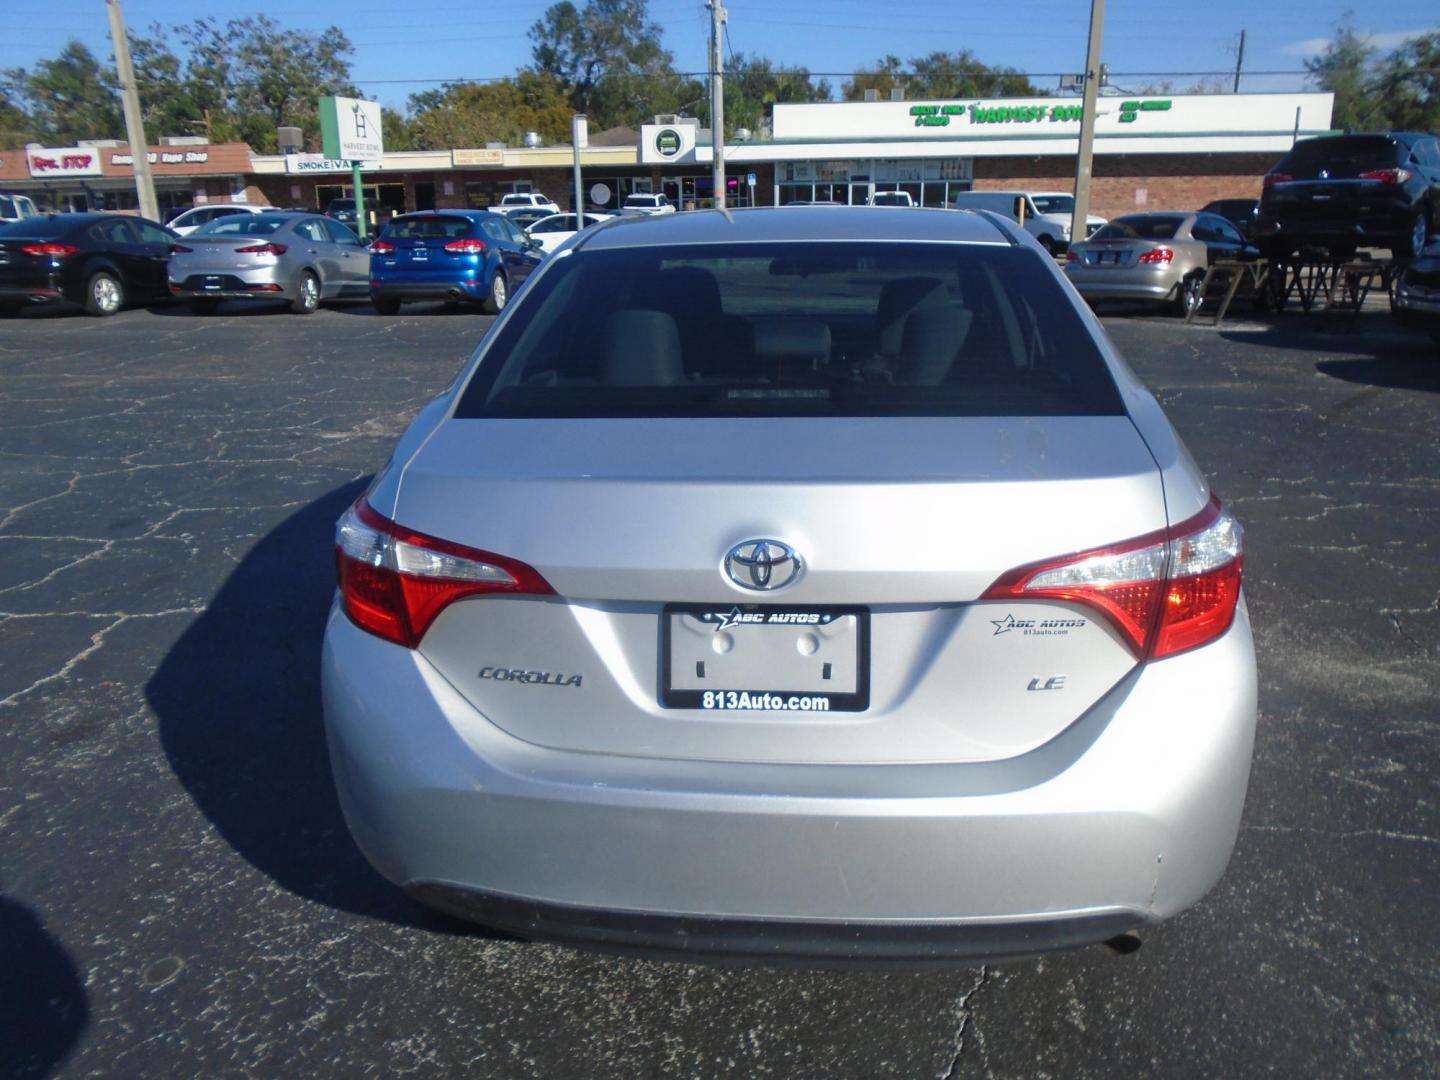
{"x":403,"y":47}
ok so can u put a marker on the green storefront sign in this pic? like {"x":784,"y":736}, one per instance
{"x":941,"y":115}
{"x":667,"y":142}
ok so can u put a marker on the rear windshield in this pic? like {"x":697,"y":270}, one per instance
{"x":39,"y":228}
{"x":790,"y":329}
{"x":1341,"y":156}
{"x":428,"y":228}
{"x":1054,"y":204}
{"x":1233,"y":208}
{"x":241,"y":225}
{"x":1139,"y":228}
{"x":642,"y":200}
{"x":342,"y":204}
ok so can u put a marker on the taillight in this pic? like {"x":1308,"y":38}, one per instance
{"x":262,"y":249}
{"x":1070,"y":257}
{"x":382,"y":247}
{"x":1157,"y":255}
{"x":394,"y":581}
{"x":471,"y":245}
{"x":180,"y":249}
{"x":1388,"y":176}
{"x":59,"y":250}
{"x":1166,"y":592}
{"x":1272,"y":178}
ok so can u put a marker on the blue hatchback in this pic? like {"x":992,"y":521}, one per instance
{"x":458,"y":255}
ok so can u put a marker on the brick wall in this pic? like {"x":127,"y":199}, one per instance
{"x":1128,"y":183}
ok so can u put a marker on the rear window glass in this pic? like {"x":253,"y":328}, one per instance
{"x":788,"y":329}
{"x":428,"y":228}
{"x":1139,"y":228}
{"x":1340,"y":156}
{"x":38,"y":228}
{"x":241,"y":225}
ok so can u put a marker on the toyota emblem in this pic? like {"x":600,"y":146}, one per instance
{"x":763,"y":565}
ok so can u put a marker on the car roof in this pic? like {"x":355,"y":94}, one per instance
{"x":782,"y":224}
{"x":467,"y":212}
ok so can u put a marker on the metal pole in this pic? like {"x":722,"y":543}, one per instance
{"x":579,"y":133}
{"x":134,"y":118}
{"x":362,"y":224}
{"x":1239,"y":62}
{"x":1087,"y":123}
{"x":718,"y":15}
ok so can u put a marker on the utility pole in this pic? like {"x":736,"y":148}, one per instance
{"x":718,"y":15}
{"x":134,"y":119}
{"x":1087,"y":123}
{"x":1239,"y":62}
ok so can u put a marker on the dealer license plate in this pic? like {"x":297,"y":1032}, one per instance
{"x":749,"y":657}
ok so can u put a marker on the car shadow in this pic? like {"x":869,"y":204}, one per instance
{"x":43,"y":1006}
{"x":261,"y":309}
{"x":1412,"y":371}
{"x":238,"y":704}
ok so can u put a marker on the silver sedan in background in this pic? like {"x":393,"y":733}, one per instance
{"x":805,"y":581}
{"x":1161,"y":257}
{"x":298,"y":258}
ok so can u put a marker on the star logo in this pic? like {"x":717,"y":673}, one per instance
{"x":727,"y":619}
{"x":1003,"y":626}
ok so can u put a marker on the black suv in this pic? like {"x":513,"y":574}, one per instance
{"x":1346,"y":191}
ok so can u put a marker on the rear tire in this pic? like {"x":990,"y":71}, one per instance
{"x":499,"y":295}
{"x":1414,"y":244}
{"x":1187,"y":294}
{"x":203,"y":307}
{"x":307,"y":295}
{"x":104,"y":294}
{"x":387,"y":307}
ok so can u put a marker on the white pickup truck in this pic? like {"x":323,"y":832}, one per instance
{"x":1047,"y":213}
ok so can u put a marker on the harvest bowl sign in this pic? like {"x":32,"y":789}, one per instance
{"x":980,"y":113}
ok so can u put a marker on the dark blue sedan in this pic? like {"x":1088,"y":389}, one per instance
{"x":470,"y":256}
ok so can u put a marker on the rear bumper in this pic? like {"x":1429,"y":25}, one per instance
{"x":1379,"y":227}
{"x":1123,"y":284}
{"x":1127,"y":817}
{"x":452,"y":287}
{"x":233,"y":284}
{"x":31,"y":294}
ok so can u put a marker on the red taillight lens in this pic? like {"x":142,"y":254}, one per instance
{"x":471,"y":245}
{"x":1070,"y":257}
{"x":1166,"y":592}
{"x":1273,"y":178}
{"x":262,"y":249}
{"x":180,"y":249}
{"x":59,"y":250}
{"x":1157,"y":255}
{"x":382,"y":247}
{"x":1387,"y":176}
{"x":394,"y":582}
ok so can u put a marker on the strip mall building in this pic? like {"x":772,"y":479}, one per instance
{"x":1157,"y":153}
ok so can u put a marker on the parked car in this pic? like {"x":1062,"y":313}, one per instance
{"x":646,"y":204}
{"x":554,"y":230}
{"x":527,"y":216}
{"x":1244,"y":214}
{"x":525,"y":200}
{"x":1160,"y":257}
{"x":301,"y":259}
{"x":343,"y":211}
{"x":890,"y":198}
{"x":1342,"y":192}
{"x":13,"y":207}
{"x":814,"y":582}
{"x":186,"y":223}
{"x":470,"y":256}
{"x":1417,"y":294}
{"x":100,"y":261}
{"x":1048,"y":214}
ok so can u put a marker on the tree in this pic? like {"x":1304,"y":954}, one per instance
{"x":939,"y":75}
{"x":472,"y":114}
{"x":1343,"y":70}
{"x":1408,"y":85}
{"x":69,"y":98}
{"x":278,"y":76}
{"x":608,"y":61}
{"x":16,"y":128}
{"x":754,"y":85}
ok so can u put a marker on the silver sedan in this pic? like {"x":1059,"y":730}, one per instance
{"x":1161,"y":257}
{"x":301,"y":259}
{"x":794,"y":581}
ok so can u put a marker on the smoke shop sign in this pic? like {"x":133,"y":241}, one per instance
{"x":165,"y":157}
{"x":980,"y":113}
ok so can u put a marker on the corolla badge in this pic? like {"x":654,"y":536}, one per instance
{"x":763,"y":565}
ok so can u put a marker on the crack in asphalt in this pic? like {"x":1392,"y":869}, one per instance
{"x":965,"y":1017}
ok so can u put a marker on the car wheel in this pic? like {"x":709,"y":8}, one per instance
{"x":203,"y":307}
{"x":1048,"y":245}
{"x":104,"y":295}
{"x":307,"y":295}
{"x":1187,"y":294}
{"x":387,"y":307}
{"x":499,"y":294}
{"x":1419,"y":237}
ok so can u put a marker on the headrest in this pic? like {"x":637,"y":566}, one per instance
{"x":792,"y":339}
{"x":932,"y":340}
{"x":897,"y":299}
{"x":642,"y":348}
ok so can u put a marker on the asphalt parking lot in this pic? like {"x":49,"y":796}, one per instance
{"x":178,"y":893}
